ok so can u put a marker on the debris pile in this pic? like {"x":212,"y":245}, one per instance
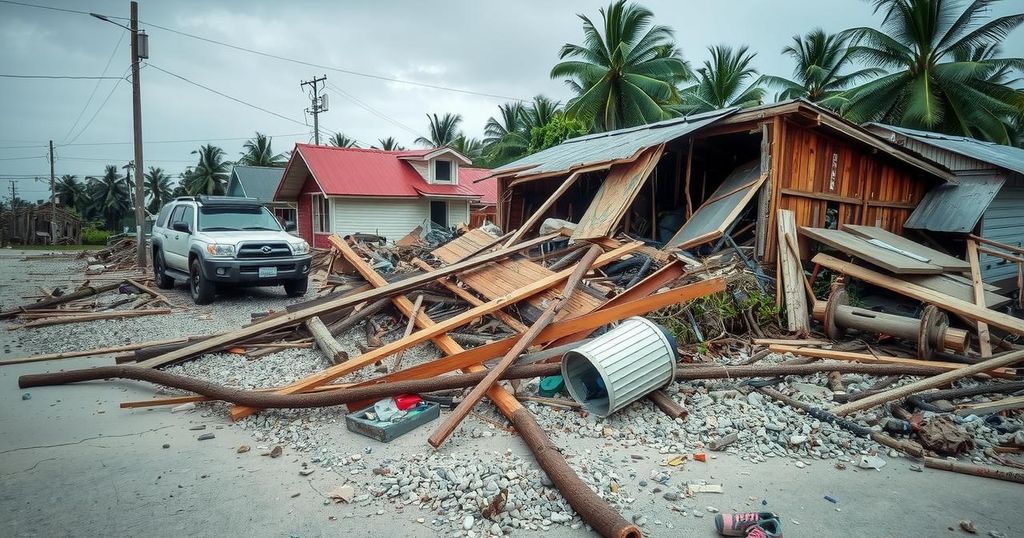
{"x":114,"y":300}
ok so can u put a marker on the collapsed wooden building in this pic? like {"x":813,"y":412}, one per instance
{"x":36,"y":225}
{"x":708,"y":180}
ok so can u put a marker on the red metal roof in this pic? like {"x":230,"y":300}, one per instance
{"x":373,"y":172}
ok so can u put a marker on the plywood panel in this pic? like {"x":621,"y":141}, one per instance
{"x":615,"y":195}
{"x":713,"y":217}
{"x":857,"y":247}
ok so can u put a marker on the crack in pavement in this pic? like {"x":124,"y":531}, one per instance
{"x":80,"y":441}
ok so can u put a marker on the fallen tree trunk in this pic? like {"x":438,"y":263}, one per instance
{"x":80,"y":293}
{"x":325,"y":341}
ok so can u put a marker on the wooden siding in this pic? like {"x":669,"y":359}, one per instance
{"x":392,"y":218}
{"x":305,"y":210}
{"x":817,"y":171}
{"x":458,"y":212}
{"x":1002,"y":222}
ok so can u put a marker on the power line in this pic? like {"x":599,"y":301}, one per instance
{"x":358,"y":102}
{"x":61,"y":77}
{"x":100,"y":108}
{"x":333,"y":68}
{"x":95,"y":87}
{"x":170,"y":141}
{"x":22,"y":158}
{"x":37,"y":6}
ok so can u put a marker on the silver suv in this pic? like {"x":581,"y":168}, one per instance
{"x":222,"y":240}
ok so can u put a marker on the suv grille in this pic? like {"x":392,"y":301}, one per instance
{"x":264,"y":250}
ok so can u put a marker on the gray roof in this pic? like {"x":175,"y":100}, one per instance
{"x":1008,"y":157}
{"x":258,"y":182}
{"x":955,"y":208}
{"x":611,"y":145}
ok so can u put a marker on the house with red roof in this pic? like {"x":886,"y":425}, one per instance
{"x":388,"y":193}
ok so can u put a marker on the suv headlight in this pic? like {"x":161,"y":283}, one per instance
{"x":300,"y":248}
{"x":224,"y":251}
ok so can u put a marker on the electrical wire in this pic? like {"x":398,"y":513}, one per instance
{"x":58,"y":77}
{"x":23,"y":158}
{"x":96,"y":86}
{"x":37,"y":6}
{"x":360,"y":103}
{"x":97,"y":112}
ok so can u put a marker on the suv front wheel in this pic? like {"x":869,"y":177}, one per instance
{"x":202,"y":289}
{"x":297,"y":287}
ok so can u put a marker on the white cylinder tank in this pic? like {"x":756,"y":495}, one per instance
{"x":620,"y":366}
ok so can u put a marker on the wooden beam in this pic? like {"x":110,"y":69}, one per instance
{"x":867,"y":358}
{"x":348,"y":300}
{"x":465,"y":295}
{"x":408,"y":328}
{"x":914,"y":291}
{"x":946,"y":378}
{"x":984,"y":338}
{"x":427,"y":333}
{"x":88,"y":352}
{"x":92,"y":316}
{"x":797,"y":316}
{"x":540,"y":211}
{"x":459,"y":413}
{"x":325,"y":340}
{"x":1009,"y":248}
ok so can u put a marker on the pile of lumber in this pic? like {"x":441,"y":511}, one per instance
{"x":121,"y":255}
{"x":113,"y":300}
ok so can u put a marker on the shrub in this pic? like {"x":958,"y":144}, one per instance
{"x":92,"y":235}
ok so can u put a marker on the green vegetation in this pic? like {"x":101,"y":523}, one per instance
{"x":556,"y":131}
{"x":257,"y":151}
{"x":91,"y":235}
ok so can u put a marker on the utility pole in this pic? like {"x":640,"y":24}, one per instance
{"x":53,"y":202}
{"x":140,"y":218}
{"x":318,"y":104}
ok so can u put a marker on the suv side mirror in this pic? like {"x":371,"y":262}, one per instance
{"x":181,"y":227}
{"x":289,"y":226}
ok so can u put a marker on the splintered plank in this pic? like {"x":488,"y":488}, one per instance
{"x":616,"y":193}
{"x":934,"y":257}
{"x":465,"y":245}
{"x":797,"y":319}
{"x":957,"y":286}
{"x":859,"y":248}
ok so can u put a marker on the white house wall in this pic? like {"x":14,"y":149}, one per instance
{"x":392,"y":218}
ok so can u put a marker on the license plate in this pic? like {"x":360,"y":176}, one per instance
{"x":267,"y":272}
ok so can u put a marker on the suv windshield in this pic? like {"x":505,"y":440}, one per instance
{"x":227,"y":219}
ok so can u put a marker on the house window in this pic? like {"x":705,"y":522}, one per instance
{"x":442,"y":171}
{"x":321,"y":214}
{"x":439,"y":213}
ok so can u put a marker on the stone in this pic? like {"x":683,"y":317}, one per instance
{"x":496,"y":529}
{"x":797,"y":439}
{"x":276,"y":452}
{"x":968,"y":526}
{"x":712,"y":510}
{"x":467,"y":522}
{"x":242,"y":449}
{"x":166,"y":445}
{"x":306,"y":472}
{"x":342,"y":494}
{"x":205,"y":437}
{"x":671,"y":496}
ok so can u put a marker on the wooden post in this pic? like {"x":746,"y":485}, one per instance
{"x":325,"y":341}
{"x":408,"y":329}
{"x":984,"y":338}
{"x":524,"y":342}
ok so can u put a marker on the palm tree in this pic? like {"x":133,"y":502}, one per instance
{"x":820,"y":60}
{"x":937,"y":81}
{"x":70,"y":192}
{"x":627,"y":75}
{"x":108,"y":197}
{"x":508,"y":136}
{"x":158,"y":188}
{"x":211,"y":172}
{"x":389,"y":144}
{"x":257,"y":151}
{"x":339,"y":140}
{"x":471,"y":148}
{"x":722,"y":81}
{"x":444,"y":130}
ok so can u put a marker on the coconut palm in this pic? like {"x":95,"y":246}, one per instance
{"x":388,"y":144}
{"x":211,"y":172}
{"x":821,"y":60}
{"x":471,"y":148}
{"x":158,"y":188}
{"x":722,"y":81}
{"x":624,"y":76}
{"x":339,"y":140}
{"x":257,"y":151}
{"x":935,"y":82}
{"x":108,"y":197}
{"x":70,"y":192}
{"x":444,"y":130}
{"x":540,"y":111}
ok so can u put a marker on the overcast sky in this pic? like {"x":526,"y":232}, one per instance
{"x":503,"y":49}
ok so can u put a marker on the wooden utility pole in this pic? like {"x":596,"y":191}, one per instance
{"x":140,"y":215}
{"x":317,"y":105}
{"x":53,"y":203}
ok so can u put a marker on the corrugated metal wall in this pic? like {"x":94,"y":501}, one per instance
{"x":1002,"y":222}
{"x":953,"y":161}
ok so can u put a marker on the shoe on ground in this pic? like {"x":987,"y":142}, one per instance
{"x":766,"y":528}
{"x":738,"y":524}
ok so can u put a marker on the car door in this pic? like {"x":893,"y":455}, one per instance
{"x":176,"y":242}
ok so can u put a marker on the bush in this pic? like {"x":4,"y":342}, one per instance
{"x":92,"y":235}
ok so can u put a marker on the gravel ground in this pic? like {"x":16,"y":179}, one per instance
{"x":638,"y":459}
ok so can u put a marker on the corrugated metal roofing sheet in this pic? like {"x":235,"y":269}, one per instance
{"x":612,"y":145}
{"x":258,"y":182}
{"x":1008,"y":157}
{"x":955,"y":208}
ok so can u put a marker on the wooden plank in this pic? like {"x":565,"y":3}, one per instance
{"x":1009,"y":248}
{"x":987,"y":408}
{"x":508,"y":319}
{"x":558,"y":330}
{"x":408,"y":328}
{"x":615,"y":195}
{"x":540,"y":211}
{"x":941,"y":259}
{"x":945,"y":302}
{"x":299,"y":316}
{"x":325,"y":341}
{"x":426,"y":333}
{"x":943,"y":379}
{"x":956,"y":286}
{"x":984,"y":338}
{"x":797,"y":316}
{"x":466,"y":405}
{"x":867,"y":358}
{"x":92,"y":316}
{"x":859,"y":248}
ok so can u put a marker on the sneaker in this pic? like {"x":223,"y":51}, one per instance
{"x":766,"y":528}
{"x":738,"y":524}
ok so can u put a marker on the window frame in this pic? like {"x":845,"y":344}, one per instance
{"x":451,"y":171}
{"x":321,"y":214}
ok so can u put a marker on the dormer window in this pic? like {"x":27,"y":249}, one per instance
{"x":442,"y":171}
